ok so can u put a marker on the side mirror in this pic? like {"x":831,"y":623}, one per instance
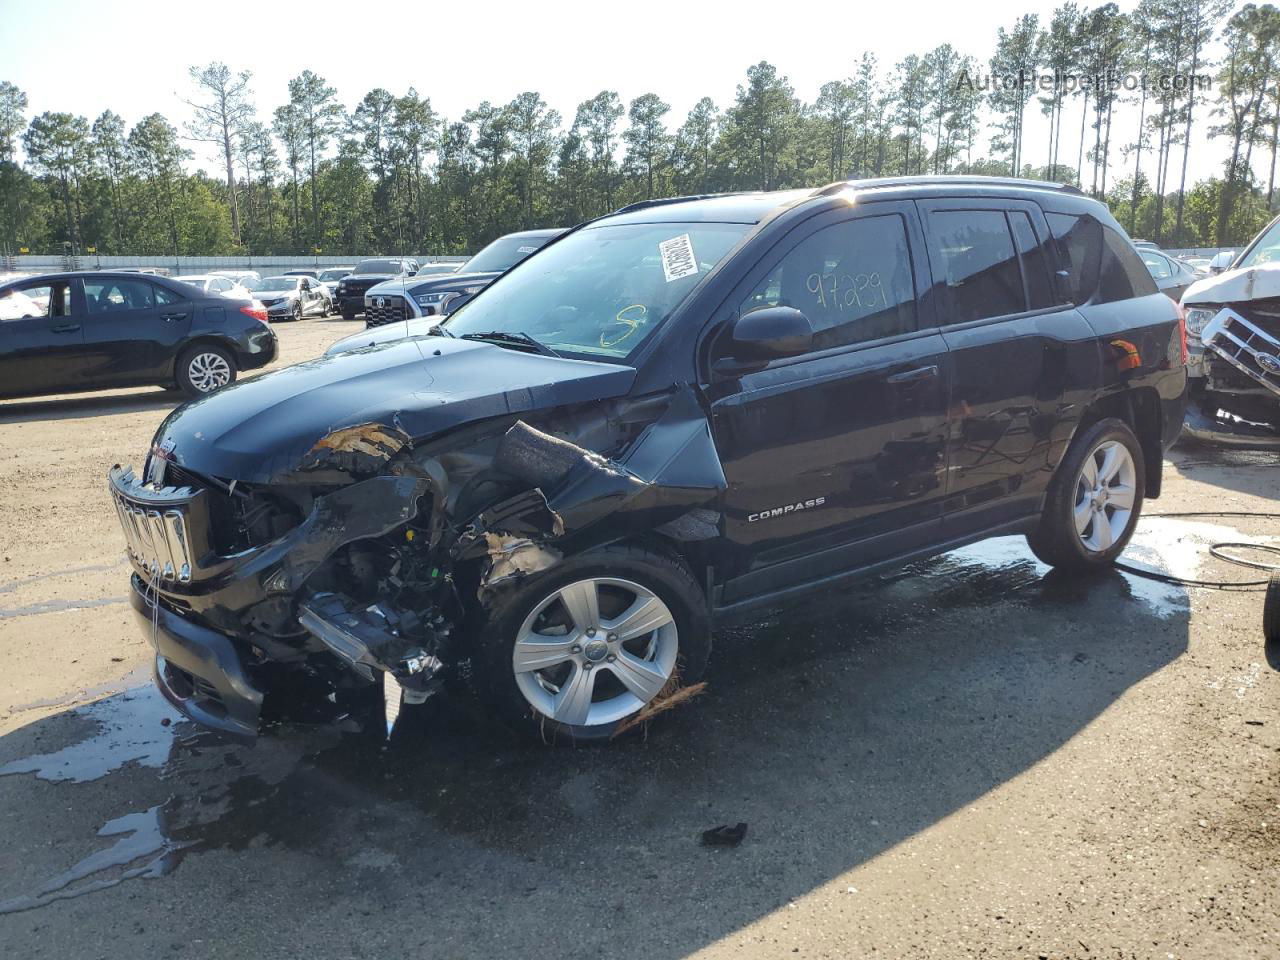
{"x":770,"y":333}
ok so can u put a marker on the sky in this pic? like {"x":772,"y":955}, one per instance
{"x":133,"y":57}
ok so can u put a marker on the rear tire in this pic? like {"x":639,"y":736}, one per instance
{"x":1271,"y":613}
{"x":619,"y":674}
{"x":1094,"y":500}
{"x":204,"y":368}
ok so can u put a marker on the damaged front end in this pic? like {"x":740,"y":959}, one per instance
{"x":1235,"y":398}
{"x":376,"y":583}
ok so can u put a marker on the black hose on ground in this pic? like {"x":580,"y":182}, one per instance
{"x":1215,"y":550}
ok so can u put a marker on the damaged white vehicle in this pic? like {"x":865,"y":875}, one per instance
{"x":1233,"y":331}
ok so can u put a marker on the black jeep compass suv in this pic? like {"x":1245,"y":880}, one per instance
{"x":685,"y":410}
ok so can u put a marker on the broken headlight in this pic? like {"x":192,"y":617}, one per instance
{"x":1197,"y":317}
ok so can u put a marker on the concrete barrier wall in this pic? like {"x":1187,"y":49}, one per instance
{"x":49,"y":263}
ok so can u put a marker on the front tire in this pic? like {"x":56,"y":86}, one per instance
{"x":1094,"y":500}
{"x":205,"y":368}
{"x":578,"y":651}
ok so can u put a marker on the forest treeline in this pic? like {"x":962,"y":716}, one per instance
{"x":391,"y":175}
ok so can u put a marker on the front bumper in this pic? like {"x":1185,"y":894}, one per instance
{"x":1228,"y":431}
{"x":198,"y":670}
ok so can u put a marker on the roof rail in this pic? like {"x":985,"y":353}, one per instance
{"x":948,"y":180}
{"x":663,"y":201}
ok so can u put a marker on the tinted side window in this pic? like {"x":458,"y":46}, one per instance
{"x":110,"y":296}
{"x":979,"y":263}
{"x":165,"y":296}
{"x":1035,"y":261}
{"x":852,"y":280}
{"x":1157,"y":265}
{"x":1123,"y":274}
{"x":1079,"y":240}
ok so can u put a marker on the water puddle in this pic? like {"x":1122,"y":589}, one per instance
{"x":136,"y":727}
{"x":142,"y":837}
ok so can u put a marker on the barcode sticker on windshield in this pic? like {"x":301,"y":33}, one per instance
{"x":677,"y":257}
{"x":525,"y":249}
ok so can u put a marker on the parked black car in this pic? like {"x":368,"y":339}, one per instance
{"x":408,"y":298}
{"x":99,"y":330}
{"x":352,"y":287}
{"x":674,"y":414}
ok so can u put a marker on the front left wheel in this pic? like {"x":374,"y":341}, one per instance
{"x":578,"y":651}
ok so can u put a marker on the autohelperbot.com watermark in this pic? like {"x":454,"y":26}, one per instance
{"x":1067,"y":81}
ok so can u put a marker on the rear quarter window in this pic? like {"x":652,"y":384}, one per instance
{"x":1100,"y":264}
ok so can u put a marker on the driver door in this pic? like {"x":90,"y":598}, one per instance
{"x":836,"y":458}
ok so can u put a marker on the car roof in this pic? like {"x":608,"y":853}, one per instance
{"x":757,"y":207}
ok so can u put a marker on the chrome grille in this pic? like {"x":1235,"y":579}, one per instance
{"x":1246,"y":346}
{"x":155,"y":524}
{"x":384,"y":309}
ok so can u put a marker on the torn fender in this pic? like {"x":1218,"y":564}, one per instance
{"x":670,"y":469}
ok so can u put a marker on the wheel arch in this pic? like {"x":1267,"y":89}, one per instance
{"x":1141,"y":409}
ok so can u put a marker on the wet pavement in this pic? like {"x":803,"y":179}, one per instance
{"x":836,"y":729}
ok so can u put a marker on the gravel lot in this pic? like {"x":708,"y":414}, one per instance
{"x":966,"y":758}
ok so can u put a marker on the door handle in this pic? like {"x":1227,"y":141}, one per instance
{"x":66,"y":328}
{"x":167,"y":317}
{"x":911,"y":376}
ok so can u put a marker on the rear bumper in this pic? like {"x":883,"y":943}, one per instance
{"x":260,"y":348}
{"x":199,"y":670}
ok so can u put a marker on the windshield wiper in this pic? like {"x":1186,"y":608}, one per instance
{"x":515,"y":337}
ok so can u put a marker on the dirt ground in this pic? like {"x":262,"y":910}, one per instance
{"x":971,"y":757}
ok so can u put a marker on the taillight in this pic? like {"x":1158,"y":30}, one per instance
{"x":259,"y":313}
{"x":1182,"y":332}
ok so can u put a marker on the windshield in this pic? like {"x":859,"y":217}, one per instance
{"x":603,"y":290}
{"x":277,"y":283}
{"x":1266,"y":249}
{"x":333,"y":274}
{"x":503,"y":254}
{"x":378,"y":266}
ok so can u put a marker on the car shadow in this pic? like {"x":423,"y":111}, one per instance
{"x":87,"y":406}
{"x":1244,"y":471}
{"x":836,"y":730}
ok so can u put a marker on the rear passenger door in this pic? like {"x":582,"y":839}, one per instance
{"x":132,"y":329}
{"x":1023,"y":359}
{"x":834,"y":458}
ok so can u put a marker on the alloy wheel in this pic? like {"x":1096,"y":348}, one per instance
{"x":1105,"y":492}
{"x":208,"y":371}
{"x":595,"y":651}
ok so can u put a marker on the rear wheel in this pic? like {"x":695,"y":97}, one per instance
{"x":1094,"y":499}
{"x":204,"y":368}
{"x":580,"y":650}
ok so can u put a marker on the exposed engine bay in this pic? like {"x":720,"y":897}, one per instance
{"x":1236,"y":385}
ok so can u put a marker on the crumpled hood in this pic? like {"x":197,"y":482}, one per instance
{"x":265,"y":430}
{"x":442,"y":283}
{"x":1236,"y":286}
